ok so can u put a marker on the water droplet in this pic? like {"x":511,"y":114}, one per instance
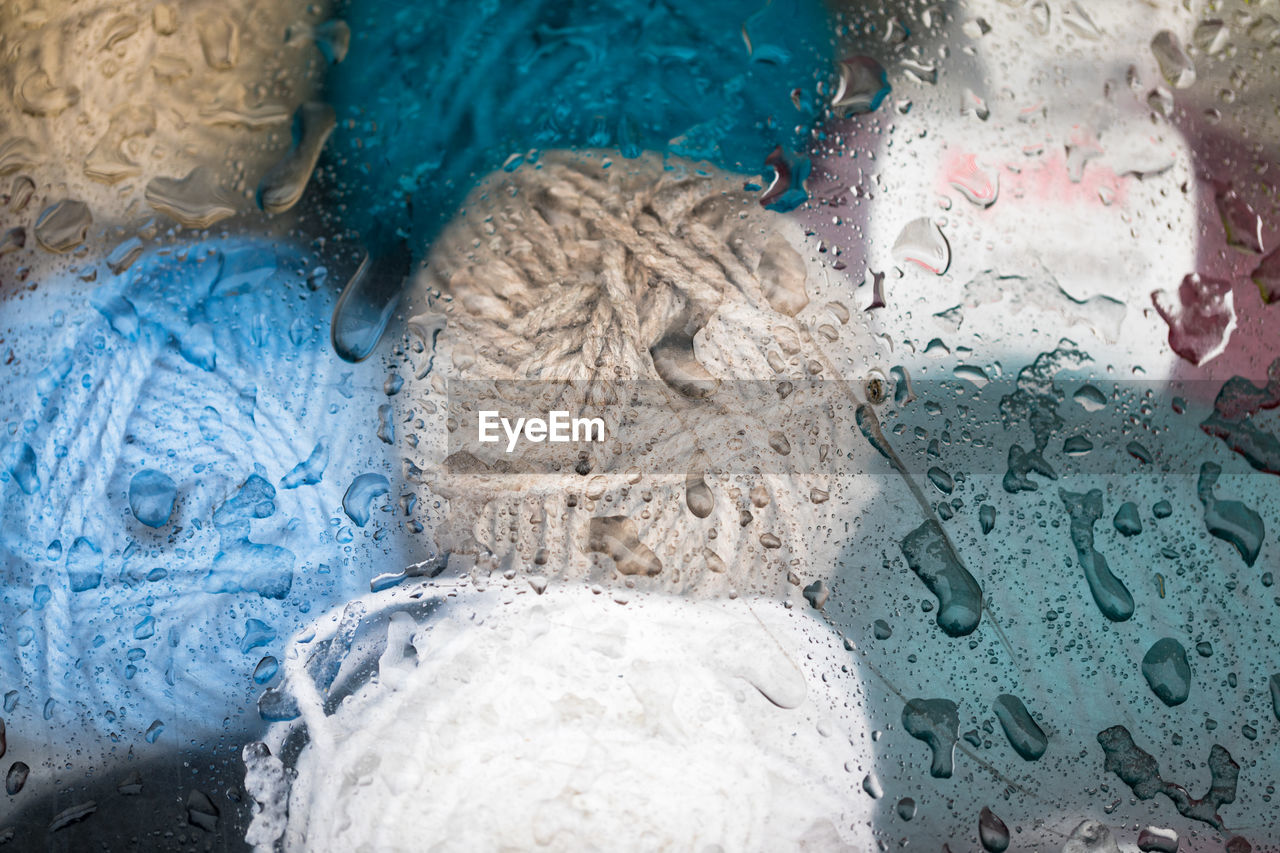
{"x":1081,"y":22}
{"x":20,"y":461}
{"x":16,"y":778}
{"x":247,"y":401}
{"x":936,"y":722}
{"x":676,"y":364}
{"x":265,"y":670}
{"x":903,"y":393}
{"x":36,"y":93}
{"x":131,"y":785}
{"x":12,"y":240}
{"x":241,"y":565}
{"x":23,"y":187}
{"x":72,"y":814}
{"x":971,"y":373}
{"x":1077,"y":445}
{"x":357,"y":503}
{"x":616,"y":536}
{"x":1241,"y":222}
{"x":1154,"y":839}
{"x":1024,"y":734}
{"x":284,"y":184}
{"x":1267,"y":277}
{"x":937,"y":348}
{"x":210,"y":424}
{"x":256,"y":633}
{"x":871,"y":784}
{"x":310,"y":470}
{"x":1139,"y":451}
{"x":201,"y":811}
{"x":986,"y":518}
{"x":84,"y":565}
{"x":786,"y":191}
{"x":992,"y":831}
{"x":117,"y":30}
{"x":877,"y":291}
{"x":971,"y":103}
{"x":906,"y":808}
{"x":19,"y":153}
{"x":55,"y":372}
{"x":1201,"y":317}
{"x":941,"y":480}
{"x":1175,"y":65}
{"x":697,"y":495}
{"x":596,"y":488}
{"x":931,"y":557}
{"x":386,"y":424}
{"x":779,"y":443}
{"x":817,"y":594}
{"x":1039,"y":17}
{"x":63,"y":225}
{"x":863,"y":86}
{"x":219,"y":40}
{"x":197,"y":200}
{"x":123,"y":255}
{"x":1127,"y":520}
{"x":979,"y":186}
{"x":275,"y":705}
{"x":1141,"y":772}
{"x":882,"y":630}
{"x":367,"y":303}
{"x":921,"y":71}
{"x":1109,"y":592}
{"x":922,"y":242}
{"x":154,"y":731}
{"x":1160,"y":100}
{"x":334,"y":39}
{"x":298,"y":332}
{"x":145,"y":629}
{"x":1162,"y":509}
{"x":195,"y":344}
{"x":1211,"y":36}
{"x":1228,"y":520}
{"x":151,"y":497}
{"x":108,"y":162}
{"x":1090,"y":398}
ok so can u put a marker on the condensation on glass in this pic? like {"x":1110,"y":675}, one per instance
{"x":935,"y":504}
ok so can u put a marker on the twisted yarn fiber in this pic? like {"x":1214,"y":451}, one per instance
{"x":570,"y":716}
{"x":434,"y":94}
{"x":571,"y":271}
{"x":577,"y":274}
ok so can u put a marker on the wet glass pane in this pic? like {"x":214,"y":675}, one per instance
{"x":732,"y":425}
